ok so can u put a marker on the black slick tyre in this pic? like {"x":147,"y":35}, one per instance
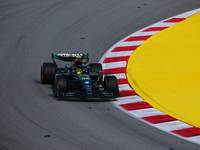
{"x":96,"y":68}
{"x":48,"y":71}
{"x":60,"y":85}
{"x":111,"y":84}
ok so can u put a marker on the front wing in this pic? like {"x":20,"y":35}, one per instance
{"x":94,"y":94}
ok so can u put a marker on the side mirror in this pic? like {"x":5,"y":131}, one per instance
{"x":67,"y":67}
{"x":99,"y":71}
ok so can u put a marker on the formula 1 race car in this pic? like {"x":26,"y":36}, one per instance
{"x":78,"y":79}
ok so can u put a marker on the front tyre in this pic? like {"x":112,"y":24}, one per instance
{"x":48,"y":71}
{"x":111,"y":84}
{"x":60,"y":85}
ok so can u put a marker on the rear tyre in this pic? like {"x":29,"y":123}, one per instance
{"x":60,"y":85}
{"x":96,"y":68}
{"x":48,"y":71}
{"x":111,"y":84}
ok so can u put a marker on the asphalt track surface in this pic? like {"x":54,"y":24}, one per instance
{"x":31,"y":118}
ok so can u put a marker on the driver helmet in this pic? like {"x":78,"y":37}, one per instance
{"x":78,"y":62}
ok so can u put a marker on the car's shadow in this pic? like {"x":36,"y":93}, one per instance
{"x":85,"y":99}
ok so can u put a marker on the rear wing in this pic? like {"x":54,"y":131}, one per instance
{"x":70,"y":56}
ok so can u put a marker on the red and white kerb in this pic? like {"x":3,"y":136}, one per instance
{"x":115,"y":61}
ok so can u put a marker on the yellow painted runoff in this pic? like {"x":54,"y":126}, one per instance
{"x":165,"y":70}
